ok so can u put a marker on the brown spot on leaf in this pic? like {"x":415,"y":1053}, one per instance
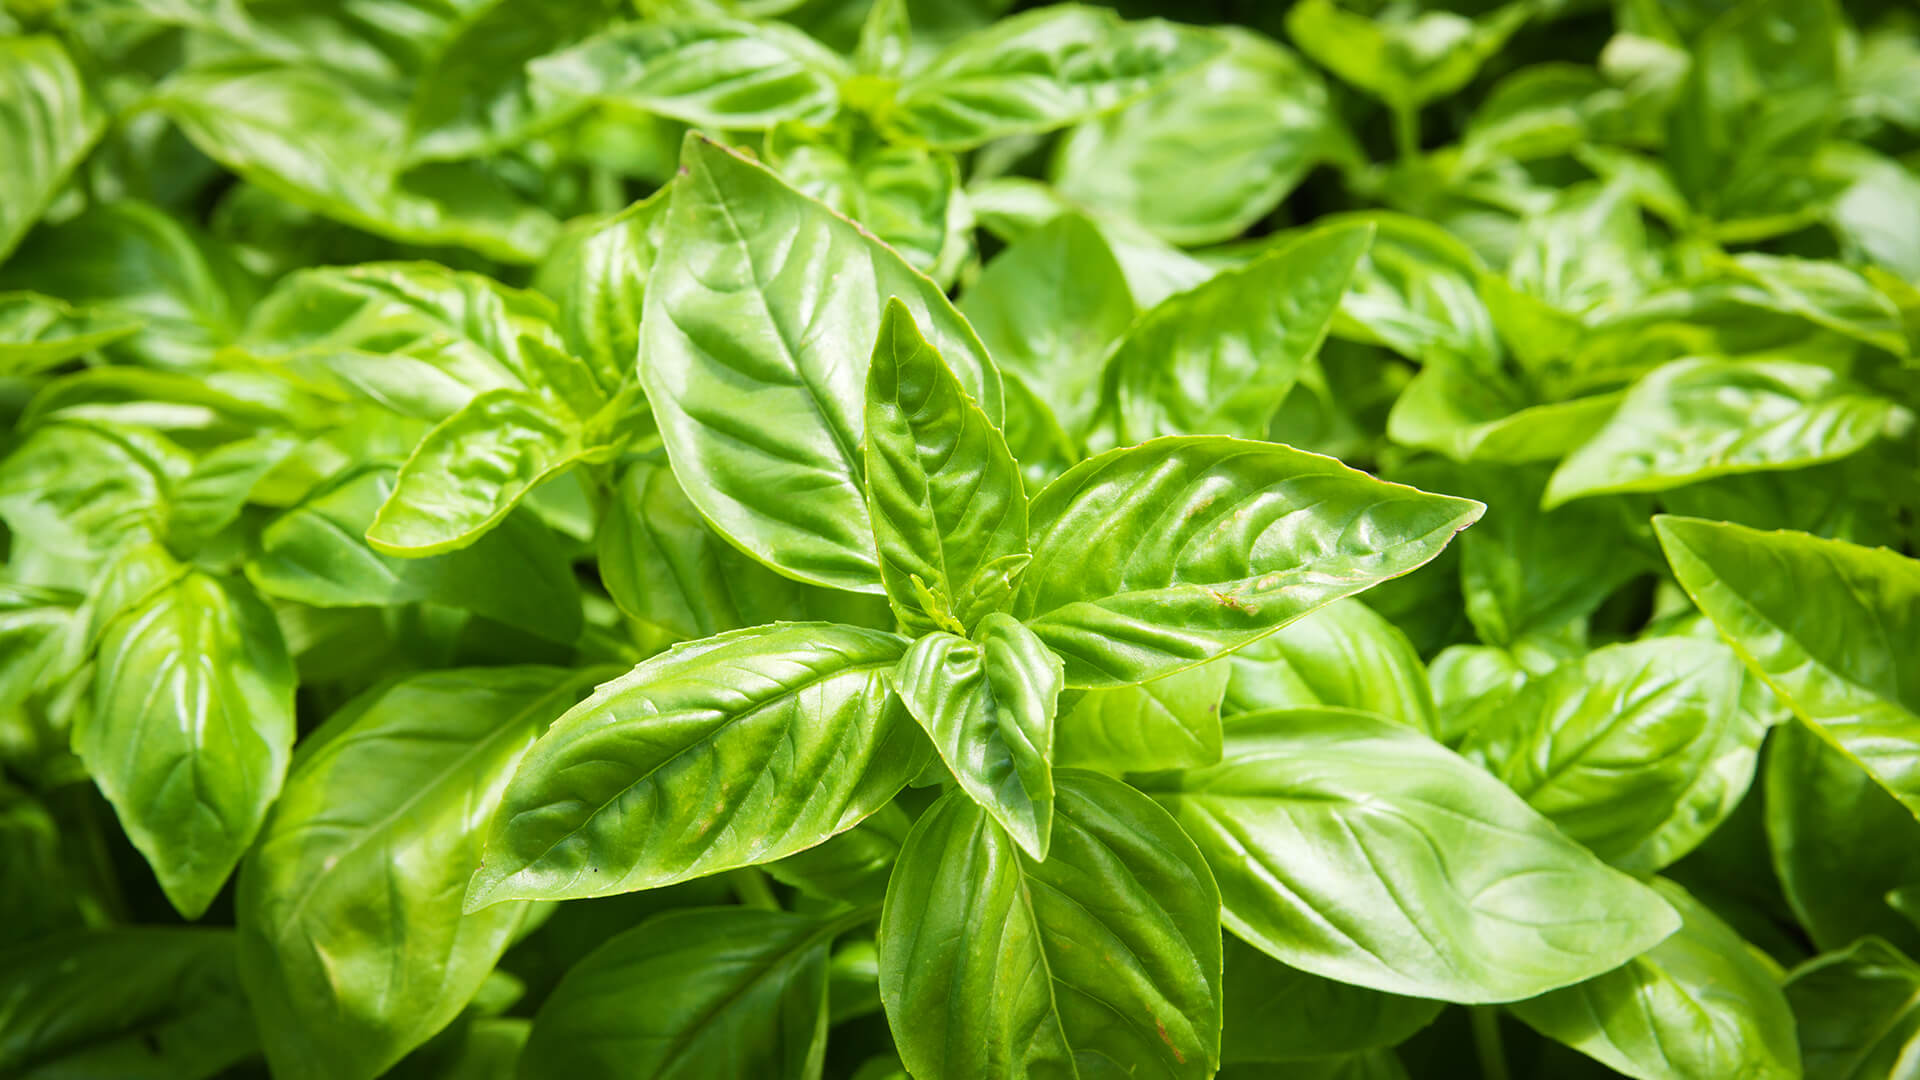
{"x":1165,"y":1038}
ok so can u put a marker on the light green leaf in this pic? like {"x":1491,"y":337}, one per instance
{"x":39,"y":332}
{"x":1211,"y":153}
{"x":1695,"y":419}
{"x":1040,"y":70}
{"x":334,"y":145}
{"x":1826,"y":294}
{"x":1858,"y":1011}
{"x":1048,"y":309}
{"x":473,"y":469}
{"x":1840,"y":842}
{"x":1278,"y":1013}
{"x":1360,"y":850}
{"x":708,"y":72}
{"x":949,"y":512}
{"x":1468,"y":416}
{"x":190,"y":729}
{"x":739,"y":749}
{"x":78,"y":491}
{"x":48,"y":122}
{"x":661,"y":562}
{"x":1104,"y":958}
{"x":1010,"y":207}
{"x":597,"y":276}
{"x":352,"y":944}
{"x":1417,"y":292}
{"x":1637,"y":750}
{"x":133,"y":1002}
{"x":1826,"y":623}
{"x":908,"y":196}
{"x":1157,"y":557}
{"x":753,"y":343}
{"x":1407,"y":58}
{"x":696,"y":994}
{"x":989,"y":705}
{"x":1701,"y":1005}
{"x":1219,"y":359}
{"x":316,"y":553}
{"x":1172,"y":722}
{"x":853,"y":866}
{"x":1343,"y":655}
{"x":214,"y":494}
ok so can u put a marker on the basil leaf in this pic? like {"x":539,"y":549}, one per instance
{"x":1833,"y":662}
{"x":49,"y":122}
{"x":1278,"y":1013}
{"x":39,"y":332}
{"x":949,"y":513}
{"x":1858,"y":1011}
{"x":1343,"y":655}
{"x":793,"y":722}
{"x":989,"y":705}
{"x":352,"y":945}
{"x":1171,"y":722}
{"x":1104,"y":957}
{"x":1360,"y":850}
{"x":1158,"y":557}
{"x":741,"y":306}
{"x":193,"y":683}
{"x":597,"y":276}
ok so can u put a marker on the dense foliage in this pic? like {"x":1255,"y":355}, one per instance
{"x":778,"y":539}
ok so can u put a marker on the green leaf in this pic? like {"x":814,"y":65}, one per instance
{"x":989,"y":705}
{"x":1278,"y":1013}
{"x":1858,"y":1011}
{"x":1826,"y":624}
{"x":133,"y":1002}
{"x":1104,"y":958}
{"x":1637,"y":751}
{"x":1040,"y":70}
{"x":1417,"y":292}
{"x":1695,"y":419}
{"x":1172,"y":722}
{"x":739,"y":749}
{"x":1211,"y":153}
{"x":597,"y":276}
{"x":80,"y":491}
{"x":949,"y":512}
{"x":1404,"y":59}
{"x":747,"y":337}
{"x":216,"y":492}
{"x":334,"y":145}
{"x":1048,"y":309}
{"x":39,"y":332}
{"x":708,"y":72}
{"x":48,"y":122}
{"x":316,"y":553}
{"x":1360,"y":850}
{"x":1219,"y":359}
{"x":699,"y":993}
{"x":662,"y":563}
{"x":190,"y":729}
{"x":908,"y":196}
{"x":352,"y":944}
{"x":473,"y":469}
{"x":415,"y":338}
{"x":852,"y":866}
{"x":1157,"y":557}
{"x":1840,"y":842}
{"x":1700,"y":1005}
{"x":1343,"y":655}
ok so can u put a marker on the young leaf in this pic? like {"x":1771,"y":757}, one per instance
{"x":1403,"y":59}
{"x":48,"y":122}
{"x":1219,"y":359}
{"x":352,"y":945}
{"x":989,"y":706}
{"x":1361,"y":850}
{"x":1343,"y":655}
{"x":190,"y":729}
{"x":739,"y":749}
{"x":949,"y":513}
{"x":1158,"y":557}
{"x":39,"y":332}
{"x":696,"y":993}
{"x":1826,"y":624}
{"x":1040,"y":70}
{"x":747,"y":338}
{"x":597,"y":276}
{"x":1172,"y":722}
{"x":1700,"y":1005}
{"x":1637,"y":751}
{"x":1695,"y":419}
{"x":1104,"y":957}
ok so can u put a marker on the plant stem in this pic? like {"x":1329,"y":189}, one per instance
{"x":750,"y":885}
{"x":1406,"y":132}
{"x":1486,"y":1042}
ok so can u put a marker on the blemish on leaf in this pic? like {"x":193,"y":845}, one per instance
{"x":1165,"y":1038}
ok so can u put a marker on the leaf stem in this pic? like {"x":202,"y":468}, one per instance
{"x":751,"y":886}
{"x":1486,"y":1042}
{"x":1406,"y":132}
